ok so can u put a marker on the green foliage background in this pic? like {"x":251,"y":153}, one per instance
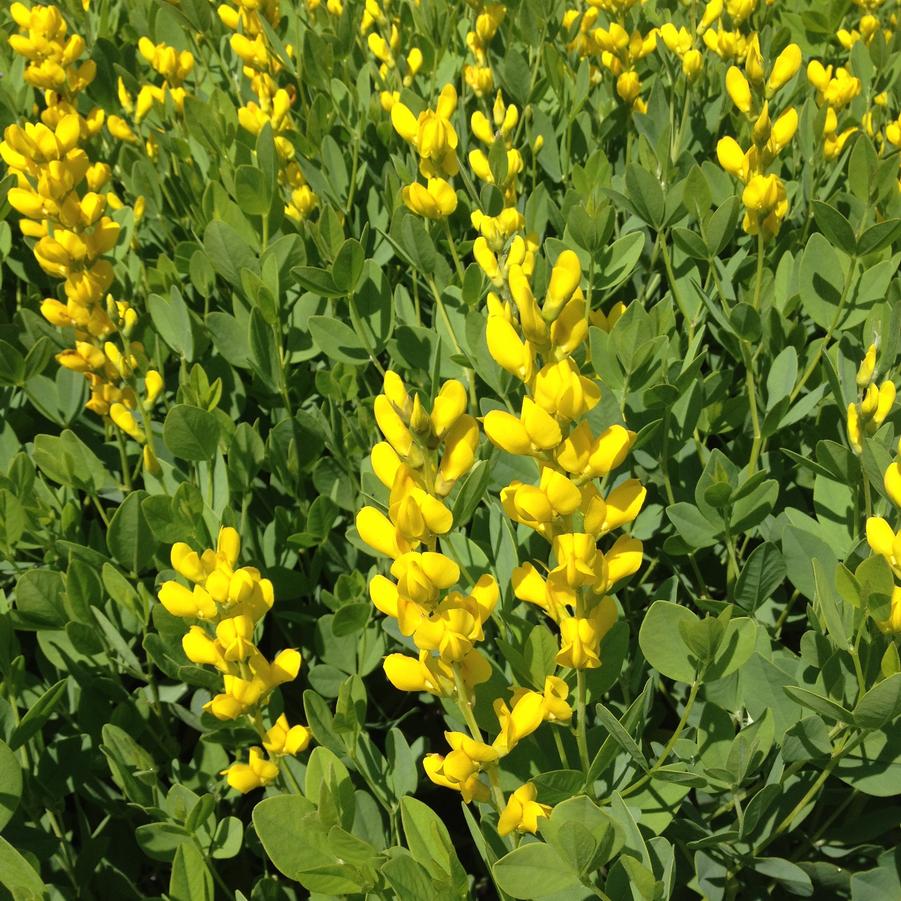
{"x":754,"y":613}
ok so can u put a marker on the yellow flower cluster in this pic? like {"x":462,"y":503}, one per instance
{"x":469,"y":755}
{"x":489,"y":17}
{"x":614,"y":47}
{"x":224,"y":606}
{"x":868,"y":25}
{"x":423,"y":457}
{"x":619,"y":53}
{"x":565,"y":507}
{"x":174,"y":66}
{"x":764,"y":197}
{"x":681,"y":42}
{"x":883,"y":540}
{"x":433,"y":137}
{"x":59,"y":193}
{"x":501,"y":126}
{"x":726,"y":40}
{"x":874,"y":404}
{"x":382,"y":30}
{"x":273,"y":103}
{"x":835,"y":88}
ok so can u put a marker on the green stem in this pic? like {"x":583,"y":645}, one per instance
{"x":761,"y":247}
{"x":358,"y":328}
{"x":464,"y":702}
{"x":814,"y":362}
{"x":123,"y":458}
{"x":786,"y":823}
{"x":561,"y":750}
{"x":452,"y":244}
{"x":686,"y":711}
{"x":671,"y":276}
{"x":751,"y":384}
{"x":582,"y":727}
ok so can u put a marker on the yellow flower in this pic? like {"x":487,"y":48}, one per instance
{"x":283,"y":738}
{"x":885,"y":542}
{"x":565,"y":278}
{"x":436,"y":200}
{"x":739,"y":90}
{"x":581,"y":636}
{"x":784,"y":68}
{"x":527,"y":715}
{"x":534,"y":430}
{"x":256,"y":773}
{"x":563,"y":392}
{"x":471,"y":787}
{"x":892,"y":481}
{"x":522,"y":811}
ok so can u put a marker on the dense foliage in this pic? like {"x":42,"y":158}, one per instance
{"x":448,"y":449}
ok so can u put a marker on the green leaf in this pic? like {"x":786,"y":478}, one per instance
{"x":834,"y":226}
{"x":10,"y":783}
{"x":68,"y":460}
{"x":615,"y":729}
{"x":646,"y":195}
{"x":661,"y":641}
{"x":173,"y":322}
{"x":37,"y":715}
{"x":880,"y":705}
{"x":745,"y":320}
{"x":228,"y":252}
{"x":337,"y":341}
{"x":17,"y":875}
{"x":401,"y":763}
{"x":734,"y":649}
{"x":879,"y":236}
{"x":264,"y":352}
{"x":317,"y":281}
{"x":428,"y":839}
{"x":253,"y":191}
{"x":762,"y":574}
{"x":39,"y":600}
{"x":348,"y":266}
{"x":821,"y":281}
{"x":277,"y":821}
{"x":618,"y":260}
{"x":535,"y":870}
{"x":408,"y":878}
{"x":191,"y":433}
{"x":190,"y":880}
{"x":720,"y":227}
{"x":786,"y":873}
{"x":817,"y":702}
{"x":129,"y":537}
{"x":696,"y":530}
{"x":471,"y":493}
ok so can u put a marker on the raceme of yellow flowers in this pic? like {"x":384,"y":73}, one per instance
{"x":383,"y":37}
{"x":868,"y":25}
{"x":433,"y":137}
{"x":835,"y":89}
{"x":489,"y":17}
{"x":751,"y":91}
{"x":273,"y":103}
{"x":726,"y":39}
{"x":223,"y":609}
{"x":874,"y":404}
{"x":614,"y":47}
{"x":174,"y":66}
{"x":59,"y":193}
{"x":538,"y":345}
{"x":886,"y":542}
